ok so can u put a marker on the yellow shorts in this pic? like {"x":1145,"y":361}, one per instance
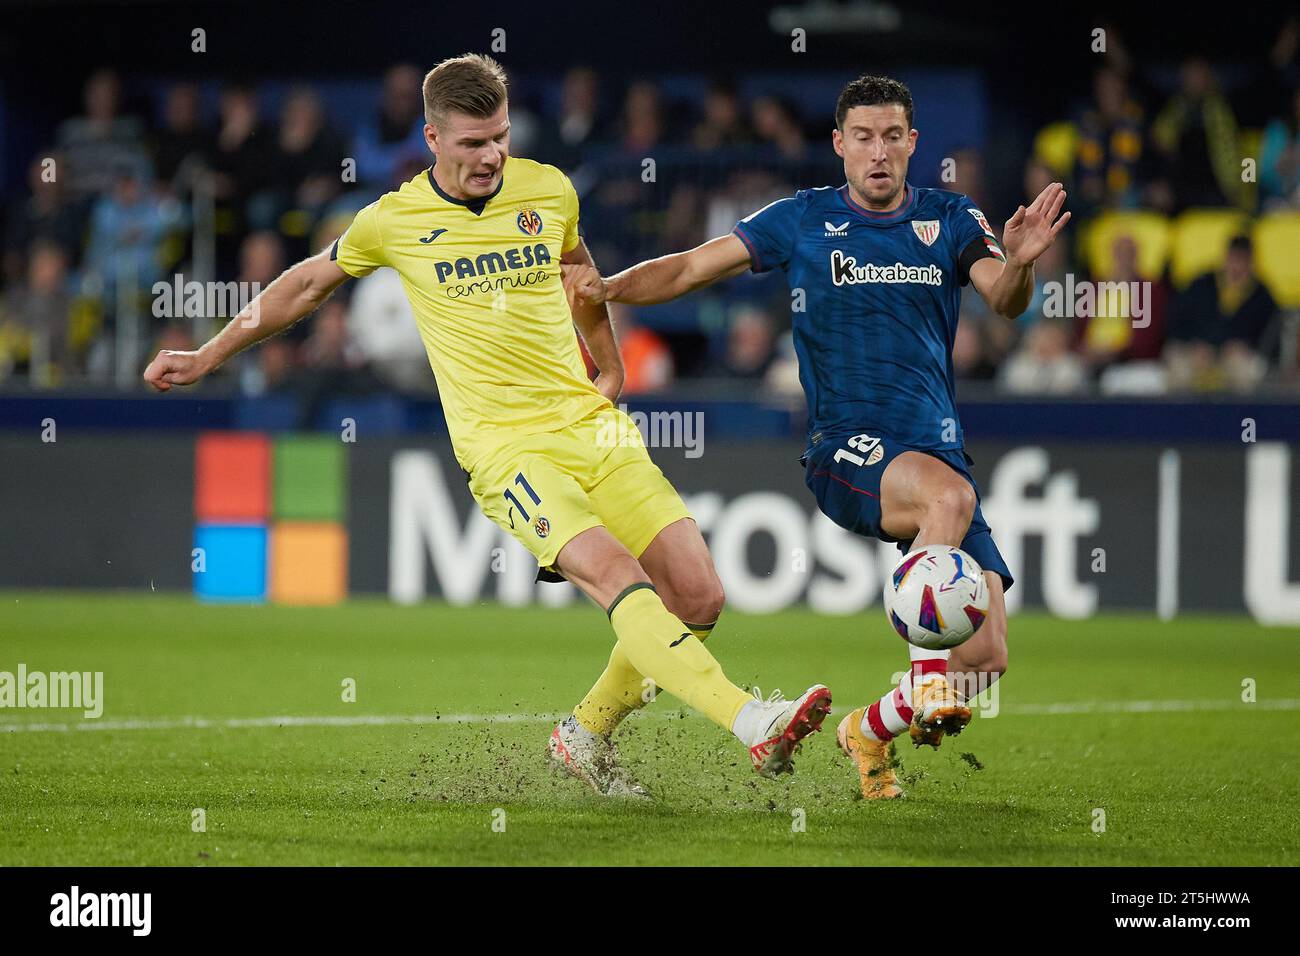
{"x":546,"y":488}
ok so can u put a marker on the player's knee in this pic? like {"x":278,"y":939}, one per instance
{"x":717,"y":598}
{"x":953,"y":506}
{"x":702,"y":600}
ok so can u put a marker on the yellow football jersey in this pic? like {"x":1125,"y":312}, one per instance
{"x":483,"y":279}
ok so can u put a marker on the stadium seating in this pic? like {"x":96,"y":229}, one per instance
{"x":1200,"y":241}
{"x":1056,"y":146}
{"x":1150,"y":230}
{"x":1277,"y":239}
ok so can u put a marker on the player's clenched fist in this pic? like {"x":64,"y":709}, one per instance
{"x":174,"y":368}
{"x":582,"y":283}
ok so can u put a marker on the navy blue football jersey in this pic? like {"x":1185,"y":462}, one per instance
{"x":880,"y":295}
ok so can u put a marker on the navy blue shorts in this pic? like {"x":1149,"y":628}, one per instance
{"x":843,"y":472}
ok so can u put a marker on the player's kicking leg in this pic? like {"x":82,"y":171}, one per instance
{"x":925,"y":501}
{"x":920,"y":500}
{"x":678,"y":564}
{"x":656,"y":643}
{"x":938,"y":703}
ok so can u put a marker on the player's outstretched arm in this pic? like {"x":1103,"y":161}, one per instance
{"x":668,"y":277}
{"x":298,"y":291}
{"x":1007,"y":288}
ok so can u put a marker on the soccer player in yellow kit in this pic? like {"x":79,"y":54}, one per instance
{"x":478,"y":240}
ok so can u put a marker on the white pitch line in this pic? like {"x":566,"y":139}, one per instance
{"x":384,"y":720}
{"x":236,"y":723}
{"x":1146,"y":707}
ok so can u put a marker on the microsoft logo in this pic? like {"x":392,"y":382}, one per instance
{"x":269,"y":518}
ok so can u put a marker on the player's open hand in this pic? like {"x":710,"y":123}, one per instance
{"x":1032,"y":229}
{"x":174,"y":368}
{"x":583,"y":284}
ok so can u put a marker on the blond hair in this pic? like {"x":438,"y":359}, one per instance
{"x":472,"y":84}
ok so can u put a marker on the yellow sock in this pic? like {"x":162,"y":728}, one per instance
{"x":621,"y":689}
{"x":617,"y":692}
{"x":659,"y":646}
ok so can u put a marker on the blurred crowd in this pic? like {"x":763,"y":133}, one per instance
{"x":1186,"y":198}
{"x":231,"y":184}
{"x":135,"y":192}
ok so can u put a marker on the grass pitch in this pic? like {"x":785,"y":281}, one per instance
{"x":238,"y":712}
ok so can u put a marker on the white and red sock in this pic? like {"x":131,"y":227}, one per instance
{"x":890,"y":716}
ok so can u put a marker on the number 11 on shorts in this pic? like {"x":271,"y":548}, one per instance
{"x":522,"y":482}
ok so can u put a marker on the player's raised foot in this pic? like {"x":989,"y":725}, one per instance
{"x":875,"y":769}
{"x":783,"y":724}
{"x":593,"y":759}
{"x":936,"y":711}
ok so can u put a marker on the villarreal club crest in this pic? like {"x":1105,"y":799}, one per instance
{"x":529,"y":221}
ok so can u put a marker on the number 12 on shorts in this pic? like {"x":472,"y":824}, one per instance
{"x":871,"y":449}
{"x":522,"y":482}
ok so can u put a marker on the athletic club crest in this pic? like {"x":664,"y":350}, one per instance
{"x":927,"y":231}
{"x":542,"y":526}
{"x":529,"y":222}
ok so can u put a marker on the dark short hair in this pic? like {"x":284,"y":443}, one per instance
{"x":1240,"y":243}
{"x":873,"y":91}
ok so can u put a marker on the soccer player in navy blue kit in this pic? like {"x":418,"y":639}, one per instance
{"x":881,"y":265}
